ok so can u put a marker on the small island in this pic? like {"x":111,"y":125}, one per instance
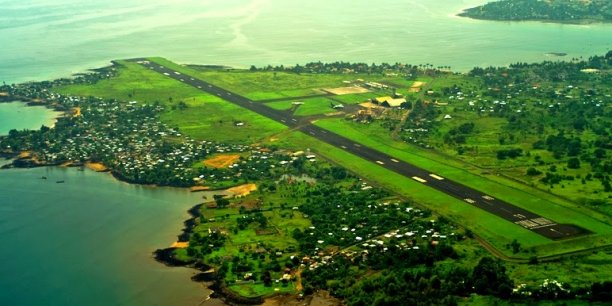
{"x":558,"y":11}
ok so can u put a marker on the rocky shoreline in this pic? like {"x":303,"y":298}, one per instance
{"x":206,"y":274}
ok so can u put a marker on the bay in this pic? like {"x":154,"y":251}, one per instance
{"x":20,"y":116}
{"x":89,"y":240}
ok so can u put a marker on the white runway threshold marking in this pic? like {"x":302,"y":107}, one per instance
{"x":418,"y":179}
{"x":437,"y":177}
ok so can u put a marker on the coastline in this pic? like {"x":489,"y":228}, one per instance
{"x":205,"y":273}
{"x":578,"y":22}
{"x":50,"y":122}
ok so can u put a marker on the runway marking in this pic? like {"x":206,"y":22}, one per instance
{"x":200,"y":87}
{"x":469,"y":200}
{"x":283,"y":121}
{"x":486,"y":197}
{"x":395,"y":160}
{"x":379,"y":162}
{"x":177,"y":73}
{"x":357,"y":145}
{"x":535,"y":223}
{"x":344,"y":147}
{"x":418,"y":179}
{"x":311,"y":133}
{"x":182,"y":80}
{"x":437,"y":177}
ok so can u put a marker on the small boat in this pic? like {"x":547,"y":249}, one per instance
{"x":59,"y":182}
{"x":43,"y":178}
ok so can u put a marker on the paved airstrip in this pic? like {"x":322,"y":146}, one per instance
{"x":521,"y":217}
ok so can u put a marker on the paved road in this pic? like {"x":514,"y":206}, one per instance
{"x":517,"y":215}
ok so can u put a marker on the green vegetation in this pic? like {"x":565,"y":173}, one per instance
{"x":133,"y":82}
{"x":264,"y":85}
{"x":366,"y":235}
{"x":196,"y":114}
{"x":521,"y":195}
{"x":206,"y":115}
{"x":552,"y":11}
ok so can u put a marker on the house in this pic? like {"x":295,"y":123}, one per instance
{"x":393,"y":102}
{"x":380,"y":100}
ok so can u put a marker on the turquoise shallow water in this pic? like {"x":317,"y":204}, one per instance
{"x":42,"y":39}
{"x":89,"y":241}
{"x":17,"y":115}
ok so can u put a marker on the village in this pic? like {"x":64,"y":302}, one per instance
{"x":296,"y":222}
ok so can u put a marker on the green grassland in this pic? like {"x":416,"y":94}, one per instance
{"x":310,"y":106}
{"x":263,"y":85}
{"x":360,"y":97}
{"x":322,"y":105}
{"x":207,"y":115}
{"x":135,"y":83}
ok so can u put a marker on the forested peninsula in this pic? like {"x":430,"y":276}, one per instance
{"x":559,"y":11}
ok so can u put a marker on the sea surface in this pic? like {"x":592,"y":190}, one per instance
{"x":88,"y":241}
{"x":44,"y":39}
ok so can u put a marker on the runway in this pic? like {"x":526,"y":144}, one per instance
{"x":521,"y":217}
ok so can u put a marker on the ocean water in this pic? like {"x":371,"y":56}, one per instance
{"x":17,"y":115}
{"x":89,"y":240}
{"x":43,"y":39}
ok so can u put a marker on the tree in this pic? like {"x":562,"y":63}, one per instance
{"x":573,"y":163}
{"x":533,"y":171}
{"x":221,"y":201}
{"x":489,"y":278}
{"x":516,"y":246}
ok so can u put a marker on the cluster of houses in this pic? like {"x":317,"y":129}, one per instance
{"x":363,"y":239}
{"x":130,"y":140}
